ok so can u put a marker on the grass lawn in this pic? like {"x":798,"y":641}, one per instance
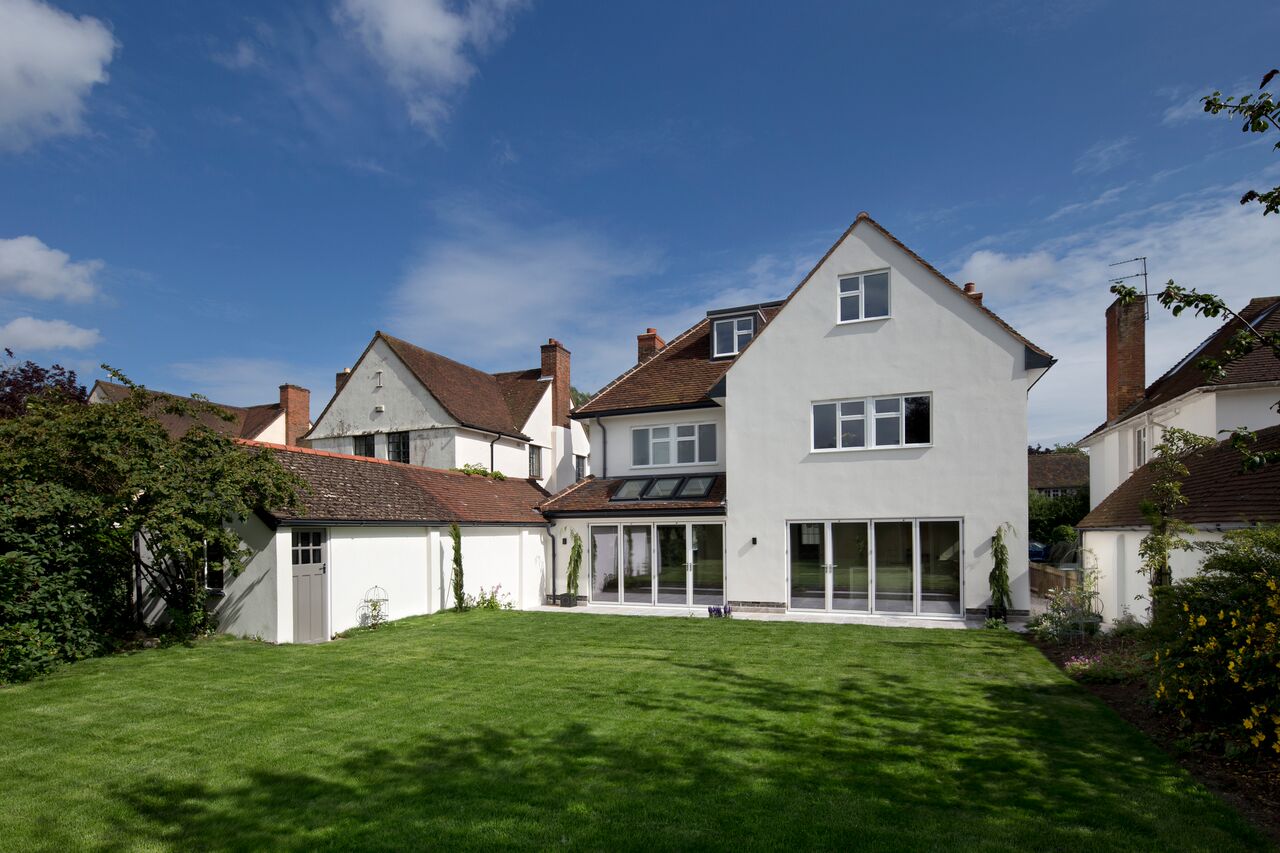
{"x":546,"y":729}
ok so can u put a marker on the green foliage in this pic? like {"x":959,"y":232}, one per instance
{"x":21,"y":382}
{"x":81,"y":484}
{"x":1218,"y":661}
{"x":578,"y":397}
{"x":1165,"y":499}
{"x":1258,"y":114}
{"x":575,"y":563}
{"x":1070,"y":613}
{"x":1117,"y":663}
{"x":1063,"y":533}
{"x":26,"y":651}
{"x":995,"y":624}
{"x":491,"y":599}
{"x":1040,"y":449}
{"x":1001,"y":597}
{"x":459,"y":599}
{"x":475,"y":469}
{"x":1045,"y":514}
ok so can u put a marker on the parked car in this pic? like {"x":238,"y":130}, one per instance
{"x":1037,"y":552}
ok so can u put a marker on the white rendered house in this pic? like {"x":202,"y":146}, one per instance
{"x":1221,"y":496}
{"x":406,"y":404}
{"x":852,"y":448}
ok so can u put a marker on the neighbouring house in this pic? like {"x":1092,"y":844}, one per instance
{"x":1221,"y":496}
{"x":1058,"y":474}
{"x":1137,"y":416}
{"x":281,"y":422}
{"x":851,"y":448}
{"x":1184,"y":397}
{"x":407,"y":404}
{"x":374,"y":530}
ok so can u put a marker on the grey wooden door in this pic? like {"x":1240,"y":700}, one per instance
{"x":308,"y":553}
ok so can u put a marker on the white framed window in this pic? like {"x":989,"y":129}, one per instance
{"x":864,"y":296}
{"x":673,"y":444}
{"x":869,"y":423}
{"x":1139,"y":447}
{"x":535,"y":462}
{"x":732,"y":335}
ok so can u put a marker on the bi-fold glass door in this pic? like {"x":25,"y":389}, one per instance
{"x":679,"y":563}
{"x":892,"y":566}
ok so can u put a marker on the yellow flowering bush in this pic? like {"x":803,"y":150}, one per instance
{"x":1218,"y":653}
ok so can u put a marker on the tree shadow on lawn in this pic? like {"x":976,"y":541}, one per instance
{"x":891,"y":765}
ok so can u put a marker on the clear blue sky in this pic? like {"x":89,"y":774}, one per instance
{"x":223,"y":197}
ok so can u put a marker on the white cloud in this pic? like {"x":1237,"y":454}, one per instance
{"x":1104,"y":156}
{"x":28,"y":333}
{"x":426,"y":48}
{"x":1107,"y":197}
{"x":488,"y":292}
{"x":246,"y":381}
{"x":239,"y":58}
{"x":49,"y":61}
{"x":30,"y":268}
{"x":1056,"y":293}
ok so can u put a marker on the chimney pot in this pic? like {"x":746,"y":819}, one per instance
{"x":296,"y":402}
{"x":647,"y":344}
{"x":1126,"y":357}
{"x":969,"y":287}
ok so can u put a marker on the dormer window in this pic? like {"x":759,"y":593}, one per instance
{"x":732,"y":335}
{"x":864,"y":297}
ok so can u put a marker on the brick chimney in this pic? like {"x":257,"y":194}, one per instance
{"x":1126,"y":356}
{"x":555,"y":366}
{"x":971,"y":291}
{"x":647,"y":344}
{"x":340,"y":379}
{"x":296,"y":403}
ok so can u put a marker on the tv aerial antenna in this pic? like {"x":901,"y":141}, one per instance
{"x":1142,"y":274}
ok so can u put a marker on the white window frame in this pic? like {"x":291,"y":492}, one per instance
{"x":869,"y":417}
{"x":673,"y":440}
{"x":535,"y":453}
{"x":1139,"y":447}
{"x":737,"y":333}
{"x":862,"y":300}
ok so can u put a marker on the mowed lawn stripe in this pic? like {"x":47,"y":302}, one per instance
{"x":549,"y":729}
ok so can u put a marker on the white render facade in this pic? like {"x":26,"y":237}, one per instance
{"x":903,"y":529}
{"x":381,"y":399}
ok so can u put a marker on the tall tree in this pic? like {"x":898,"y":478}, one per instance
{"x":20,"y":382}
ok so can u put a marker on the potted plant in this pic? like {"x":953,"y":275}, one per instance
{"x":1001,"y":597}
{"x":570,"y":596}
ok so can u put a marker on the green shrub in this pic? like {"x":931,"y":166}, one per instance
{"x":1045,"y":514}
{"x":25,"y":652}
{"x":491,"y":599}
{"x":996,"y":624}
{"x":1218,"y":654}
{"x":459,"y":600}
{"x":1116,"y":664}
{"x":1070,"y":614}
{"x":1001,"y":596}
{"x":474,"y":469}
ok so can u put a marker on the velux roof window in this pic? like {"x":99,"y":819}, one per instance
{"x":664,"y":488}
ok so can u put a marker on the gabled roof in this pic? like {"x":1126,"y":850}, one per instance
{"x":472,"y":397}
{"x":245,"y":422}
{"x":356,"y":489}
{"x":1258,"y":366}
{"x":522,"y":390}
{"x":1057,"y":470}
{"x":682,"y":374}
{"x":1217,"y":488}
{"x":592,"y":496}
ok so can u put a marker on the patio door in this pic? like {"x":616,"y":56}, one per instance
{"x":307,"y":553}
{"x":679,"y":564}
{"x":903,"y":566}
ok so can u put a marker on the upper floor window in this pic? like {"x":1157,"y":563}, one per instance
{"x":362,"y":445}
{"x":1139,"y":447}
{"x":579,"y":468}
{"x":872,"y":422}
{"x":535,"y":462}
{"x":732,"y":335}
{"x":398,"y":446}
{"x":674,"y":444}
{"x":864,"y":296}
